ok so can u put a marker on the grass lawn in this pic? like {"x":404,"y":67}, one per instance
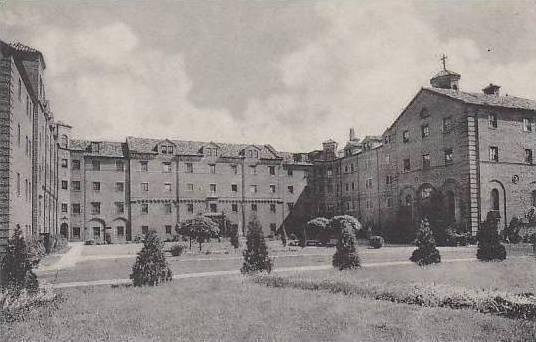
{"x":234,"y":309}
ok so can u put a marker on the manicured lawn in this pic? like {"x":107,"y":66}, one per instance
{"x":234,"y":309}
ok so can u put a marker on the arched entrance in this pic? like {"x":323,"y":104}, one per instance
{"x":64,"y":230}
{"x":96,"y":230}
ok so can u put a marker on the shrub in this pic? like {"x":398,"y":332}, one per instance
{"x":376,"y":241}
{"x":318,"y":228}
{"x":177,"y":250}
{"x":532,"y":238}
{"x":511,"y":233}
{"x":256,"y":257}
{"x":89,"y":242}
{"x":489,"y":244}
{"x":16,"y":266}
{"x":338,"y":223}
{"x":346,"y":256}
{"x":235,"y":242}
{"x":56,"y":243}
{"x":426,"y":252}
{"x":151,"y":267}
{"x":36,"y":249}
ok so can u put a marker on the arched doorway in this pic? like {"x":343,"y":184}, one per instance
{"x":495,"y":204}
{"x":64,"y":230}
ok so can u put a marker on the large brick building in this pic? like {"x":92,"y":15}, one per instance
{"x":28,"y":149}
{"x":464,"y":153}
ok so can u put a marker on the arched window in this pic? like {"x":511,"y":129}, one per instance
{"x":495,"y":200}
{"x":408,"y":200}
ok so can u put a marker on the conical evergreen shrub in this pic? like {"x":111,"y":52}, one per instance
{"x":151,"y":267}
{"x":16,"y":267}
{"x":234,"y":237}
{"x":346,"y":256}
{"x":256,"y":257}
{"x":489,"y":241}
{"x":426,"y":252}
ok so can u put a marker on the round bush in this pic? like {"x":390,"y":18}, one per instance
{"x":177,"y":250}
{"x":376,"y":241}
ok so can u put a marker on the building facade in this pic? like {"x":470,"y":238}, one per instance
{"x":28,"y":153}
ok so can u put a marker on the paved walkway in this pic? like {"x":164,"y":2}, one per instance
{"x":236,"y":272}
{"x":68,"y":259}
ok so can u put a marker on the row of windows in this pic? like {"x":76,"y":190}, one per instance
{"x":427,"y":160}
{"x":425,"y":131}
{"x":119,"y":208}
{"x":28,"y":143}
{"x":528,"y":124}
{"x":494,"y":155}
{"x":27,"y":188}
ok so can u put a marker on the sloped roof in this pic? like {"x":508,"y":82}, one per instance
{"x":486,"y":100}
{"x":446,"y":72}
{"x":106,"y":148}
{"x":183,"y":147}
{"x":25,"y":49}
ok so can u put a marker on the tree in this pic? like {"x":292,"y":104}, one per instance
{"x":426,"y":252}
{"x":151,"y":267}
{"x":337,"y":223}
{"x":199,"y":228}
{"x":346,"y":256}
{"x":234,"y":237}
{"x":489,"y":243}
{"x":16,"y":267}
{"x":319,"y":227}
{"x":256,"y":257}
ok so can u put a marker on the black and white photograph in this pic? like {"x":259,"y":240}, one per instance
{"x":276,"y":170}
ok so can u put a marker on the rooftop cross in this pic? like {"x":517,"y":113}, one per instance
{"x":443,"y":60}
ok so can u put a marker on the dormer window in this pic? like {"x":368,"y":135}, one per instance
{"x":95,"y":147}
{"x":166,"y":149}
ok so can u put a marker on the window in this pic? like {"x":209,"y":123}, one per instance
{"x":96,"y":186}
{"x":494,"y":197}
{"x":272,"y":208}
{"x":95,"y":208}
{"x":353,"y":186}
{"x":448,"y":156}
{"x":145,"y":230}
{"x":492,"y":121}
{"x":290,"y":189}
{"x":95,"y":147}
{"x":253,"y":188}
{"x":167,"y":187}
{"x":189,"y":168}
{"x":64,"y":163}
{"x":272,"y":170}
{"x":272,"y":188}
{"x":426,"y":161}
{"x":144,"y":208}
{"x":75,"y":185}
{"x":253,"y":170}
{"x":389,"y":201}
{"x":368,"y":183}
{"x":190,"y":208}
{"x":76,"y":232}
{"x":234,"y":169}
{"x":168,"y":229}
{"x":75,"y":207}
{"x":144,"y":186}
{"x":234,"y":188}
{"x":273,"y":227}
{"x":388,"y":179}
{"x":426,"y":192}
{"x":290,"y":205}
{"x":253,"y":206}
{"x":370,"y":205}
{"x":234,"y":207}
{"x":347,"y":187}
{"x":424,"y":113}
{"x":96,"y":233}
{"x":144,"y":165}
{"x":213,"y":207}
{"x":330,"y":187}
{"x":189,"y":187}
{"x":75,"y":164}
{"x":64,"y":184}
{"x":212,"y":188}
{"x":405,"y":136}
{"x":212,"y":168}
{"x":119,"y":165}
{"x":64,"y":208}
{"x":330,"y":172}
{"x":494,"y":153}
{"x":425,"y":131}
{"x":167,"y":208}
{"x":120,"y":230}
{"x":18,"y":135}
{"x":527,"y":125}
{"x":387,"y":159}
{"x":119,"y":186}
{"x":290,"y":172}
{"x":119,"y":207}
{"x":95,"y":165}
{"x":407,"y":165}
{"x":447,"y":125}
{"x":528,"y":156}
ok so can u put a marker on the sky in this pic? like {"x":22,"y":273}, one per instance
{"x":287,"y":73}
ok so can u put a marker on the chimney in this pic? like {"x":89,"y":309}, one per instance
{"x":491,"y":89}
{"x":352,"y":134}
